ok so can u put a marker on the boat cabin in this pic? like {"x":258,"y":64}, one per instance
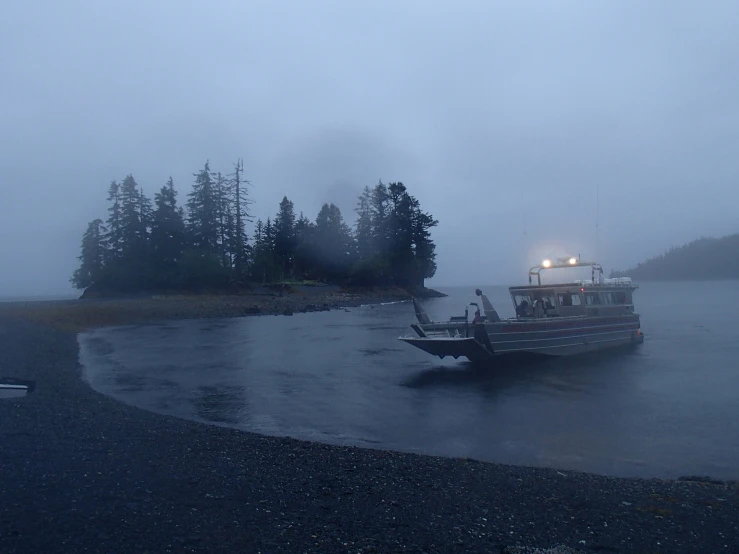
{"x":594,"y":297}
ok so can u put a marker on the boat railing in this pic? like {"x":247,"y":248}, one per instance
{"x":564,"y":263}
{"x":613,"y":282}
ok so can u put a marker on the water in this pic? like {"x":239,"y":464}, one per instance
{"x":40,"y":297}
{"x":666,"y":408}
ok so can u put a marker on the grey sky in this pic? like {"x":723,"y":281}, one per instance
{"x":500,"y":117}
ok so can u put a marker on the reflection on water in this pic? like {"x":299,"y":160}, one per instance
{"x":666,"y":408}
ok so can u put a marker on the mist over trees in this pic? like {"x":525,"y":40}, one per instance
{"x":203,"y":244}
{"x":704,"y":259}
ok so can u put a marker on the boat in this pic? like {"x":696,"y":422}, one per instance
{"x":561,"y":319}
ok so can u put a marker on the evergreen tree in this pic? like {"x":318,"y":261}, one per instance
{"x":393,"y":239}
{"x":114,"y":238}
{"x":134,"y":209}
{"x":379,"y":216}
{"x":129,"y":268}
{"x":92,"y":256}
{"x":145,"y":213}
{"x":264,"y":266}
{"x":242,"y":215}
{"x":257,"y":267}
{"x":332,"y":244}
{"x":284,"y":237}
{"x":167,"y":237}
{"x":364,"y":225}
{"x":304,"y":240}
{"x":400,"y":235}
{"x":203,"y":264}
{"x":225,"y":230}
{"x":202,"y":209}
{"x":258,"y":233}
{"x":423,"y":247}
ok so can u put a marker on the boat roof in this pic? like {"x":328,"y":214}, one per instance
{"x":607,"y":283}
{"x":571,"y":263}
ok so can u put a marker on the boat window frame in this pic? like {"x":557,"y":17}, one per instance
{"x":548,"y":294}
{"x":572,"y":294}
{"x":527,"y":295}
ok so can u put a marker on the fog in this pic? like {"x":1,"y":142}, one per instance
{"x":513,"y":123}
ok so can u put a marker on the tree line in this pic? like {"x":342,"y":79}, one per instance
{"x":704,"y":259}
{"x":204,"y":245}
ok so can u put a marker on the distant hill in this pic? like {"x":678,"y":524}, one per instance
{"x":702,"y":259}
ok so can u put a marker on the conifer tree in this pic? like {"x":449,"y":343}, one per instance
{"x":167,"y":237}
{"x":134,"y":210}
{"x":284,"y":236}
{"x":424,"y":248}
{"x":241,"y":215}
{"x":379,"y":214}
{"x":333,"y":244}
{"x":264,"y":266}
{"x":223,"y":209}
{"x":114,"y":238}
{"x":92,"y":256}
{"x":202,"y":211}
{"x":304,"y":239}
{"x":364,"y":225}
{"x":400,"y":234}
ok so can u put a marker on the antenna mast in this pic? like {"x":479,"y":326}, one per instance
{"x":597,"y":219}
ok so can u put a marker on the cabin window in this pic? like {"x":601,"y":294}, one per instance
{"x":524,"y":305}
{"x":568,"y":299}
{"x":548,"y":301}
{"x":613,"y":297}
{"x":591,"y":298}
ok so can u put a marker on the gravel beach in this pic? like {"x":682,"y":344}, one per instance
{"x":81,"y":472}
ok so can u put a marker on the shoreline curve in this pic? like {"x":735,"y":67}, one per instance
{"x":72,"y":456}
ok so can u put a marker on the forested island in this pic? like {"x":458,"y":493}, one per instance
{"x":702,"y":259}
{"x":204,"y":246}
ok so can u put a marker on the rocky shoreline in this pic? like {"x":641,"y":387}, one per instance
{"x":83,"y":314}
{"x":81,"y":472}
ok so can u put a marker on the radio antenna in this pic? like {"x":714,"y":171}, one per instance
{"x":597,"y":219}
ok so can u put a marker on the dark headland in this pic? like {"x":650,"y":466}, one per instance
{"x":704,"y":259}
{"x":81,"y":472}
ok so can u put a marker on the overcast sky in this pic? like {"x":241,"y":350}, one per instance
{"x":501,"y":118}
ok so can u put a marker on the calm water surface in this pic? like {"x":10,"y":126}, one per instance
{"x":667,"y":408}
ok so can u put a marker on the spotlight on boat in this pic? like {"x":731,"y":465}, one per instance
{"x":546,"y":263}
{"x":573,"y":261}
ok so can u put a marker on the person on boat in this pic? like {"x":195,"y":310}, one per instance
{"x":523,"y":308}
{"x":477,"y":318}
